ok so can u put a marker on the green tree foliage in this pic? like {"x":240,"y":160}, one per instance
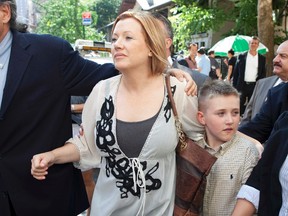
{"x":107,"y":11}
{"x":194,"y":18}
{"x":280,"y":8}
{"x":63,"y":18}
{"x":245,"y":16}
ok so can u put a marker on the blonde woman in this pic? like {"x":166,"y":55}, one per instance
{"x":129,"y":129}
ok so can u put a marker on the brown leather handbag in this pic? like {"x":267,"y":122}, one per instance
{"x":193,"y":165}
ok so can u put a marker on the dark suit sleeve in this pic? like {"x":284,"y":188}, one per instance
{"x":81,"y":75}
{"x":265,"y":175}
{"x":261,"y":125}
{"x":262,"y":67}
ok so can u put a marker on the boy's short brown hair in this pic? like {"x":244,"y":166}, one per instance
{"x":214,"y":88}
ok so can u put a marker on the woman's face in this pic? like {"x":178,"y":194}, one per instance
{"x":129,"y":48}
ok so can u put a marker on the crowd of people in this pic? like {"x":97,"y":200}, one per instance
{"x":128,"y":129}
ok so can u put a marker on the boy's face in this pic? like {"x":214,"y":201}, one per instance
{"x":220,"y":117}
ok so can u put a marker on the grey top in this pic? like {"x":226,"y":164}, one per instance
{"x":131,"y":136}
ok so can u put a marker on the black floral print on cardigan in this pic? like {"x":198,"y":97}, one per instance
{"x":121,"y":168}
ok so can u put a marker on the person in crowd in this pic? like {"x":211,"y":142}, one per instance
{"x":198,"y":78}
{"x":215,"y":72}
{"x":259,"y":96}
{"x":231,"y":64}
{"x":219,"y":108}
{"x":190,"y":60}
{"x":168,"y":32}
{"x":203,"y":62}
{"x":38,"y":74}
{"x":125,"y":122}
{"x":276,"y":103}
{"x":77,"y":105}
{"x":266,"y":190}
{"x":249,"y":68}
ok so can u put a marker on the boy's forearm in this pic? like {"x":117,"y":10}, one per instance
{"x":243,"y":208}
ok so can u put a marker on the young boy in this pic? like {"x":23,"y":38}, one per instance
{"x":219,"y":113}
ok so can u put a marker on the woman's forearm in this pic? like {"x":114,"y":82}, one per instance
{"x":66,"y":153}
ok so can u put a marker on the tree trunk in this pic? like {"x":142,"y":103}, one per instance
{"x":266,"y":31}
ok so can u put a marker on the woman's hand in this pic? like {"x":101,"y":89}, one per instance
{"x":40,"y":164}
{"x":191,"y":87}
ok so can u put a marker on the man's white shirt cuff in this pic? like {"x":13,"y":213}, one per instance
{"x":250,"y":194}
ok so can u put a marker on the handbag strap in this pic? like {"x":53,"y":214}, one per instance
{"x":182,"y":136}
{"x":168,"y":86}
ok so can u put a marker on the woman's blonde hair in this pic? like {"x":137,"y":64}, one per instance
{"x":154,"y":37}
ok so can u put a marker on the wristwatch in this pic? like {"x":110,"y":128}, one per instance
{"x":72,"y":107}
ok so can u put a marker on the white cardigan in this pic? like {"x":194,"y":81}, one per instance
{"x":122,"y":180}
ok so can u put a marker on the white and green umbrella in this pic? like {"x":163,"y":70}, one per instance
{"x":239,"y":43}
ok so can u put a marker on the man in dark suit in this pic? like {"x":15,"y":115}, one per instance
{"x":198,"y":77}
{"x":266,"y":188}
{"x":249,"y":68}
{"x":38,"y":74}
{"x":262,"y":124}
{"x":259,"y":96}
{"x":41,"y":72}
